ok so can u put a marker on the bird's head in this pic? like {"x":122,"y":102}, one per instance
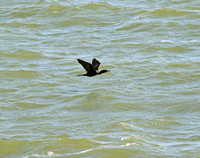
{"x":103,"y":71}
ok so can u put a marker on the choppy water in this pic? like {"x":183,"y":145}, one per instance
{"x":147,"y":106}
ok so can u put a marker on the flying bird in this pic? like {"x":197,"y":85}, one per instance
{"x":91,"y":69}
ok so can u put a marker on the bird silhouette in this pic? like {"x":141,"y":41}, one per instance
{"x":91,"y":69}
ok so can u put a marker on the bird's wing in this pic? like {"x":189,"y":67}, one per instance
{"x":87,"y":66}
{"x":95,"y":64}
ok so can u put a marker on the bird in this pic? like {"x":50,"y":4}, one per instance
{"x":91,"y":69}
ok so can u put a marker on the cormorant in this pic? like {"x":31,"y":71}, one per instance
{"x":92,"y":69}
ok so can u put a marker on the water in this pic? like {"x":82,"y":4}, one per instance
{"x":147,"y":106}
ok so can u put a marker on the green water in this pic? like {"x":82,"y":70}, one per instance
{"x":148,"y":105}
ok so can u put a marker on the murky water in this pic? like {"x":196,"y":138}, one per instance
{"x":147,"y":106}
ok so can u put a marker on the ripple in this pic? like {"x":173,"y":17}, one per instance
{"x":23,"y":54}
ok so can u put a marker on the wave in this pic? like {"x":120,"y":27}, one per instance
{"x":171,"y":12}
{"x":22,"y":54}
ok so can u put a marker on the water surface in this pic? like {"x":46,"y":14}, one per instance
{"x":147,"y":106}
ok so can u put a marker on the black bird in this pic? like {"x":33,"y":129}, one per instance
{"x":92,"y":69}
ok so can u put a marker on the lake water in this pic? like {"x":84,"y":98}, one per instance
{"x":148,"y":105}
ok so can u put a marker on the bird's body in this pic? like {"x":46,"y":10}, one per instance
{"x":92,"y":69}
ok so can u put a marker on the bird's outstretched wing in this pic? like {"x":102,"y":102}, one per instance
{"x":95,"y":64}
{"x":87,"y":66}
